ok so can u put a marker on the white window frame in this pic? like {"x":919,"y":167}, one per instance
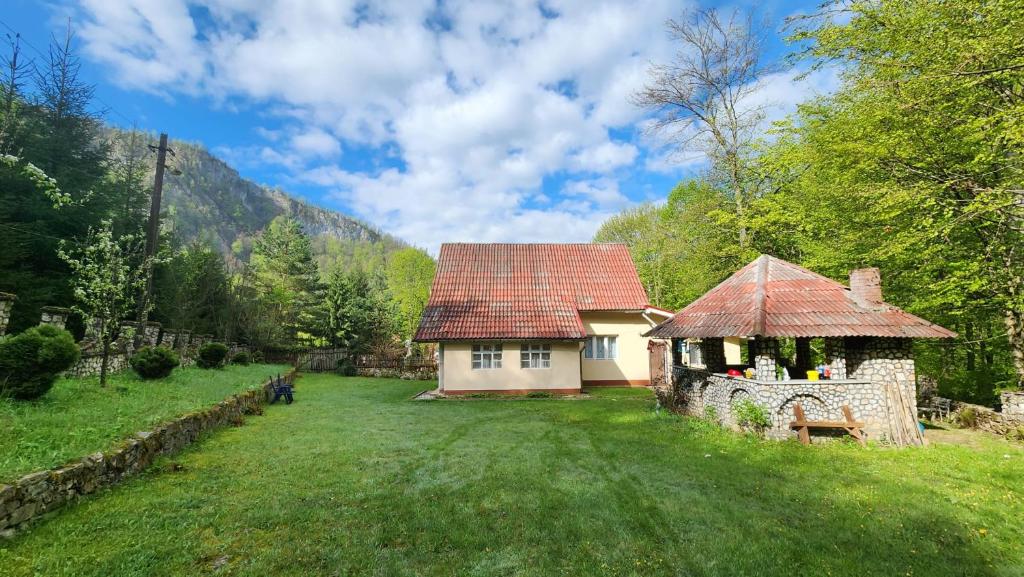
{"x":602,"y":344}
{"x":535,"y":356}
{"x":491,"y":352}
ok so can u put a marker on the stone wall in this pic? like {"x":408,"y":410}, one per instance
{"x":38,"y":493}
{"x":54,"y":316}
{"x":89,"y":365}
{"x":152,"y":334}
{"x":1007,"y":423}
{"x":883,"y":360}
{"x":692,"y":390}
{"x":1013,"y":404}
{"x":712,"y":351}
{"x":6,"y":303}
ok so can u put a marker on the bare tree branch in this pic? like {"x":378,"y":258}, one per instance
{"x":701,"y":100}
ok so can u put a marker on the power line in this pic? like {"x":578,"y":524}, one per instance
{"x":45,"y":56}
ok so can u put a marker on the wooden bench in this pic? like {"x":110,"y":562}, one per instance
{"x":803,"y":426}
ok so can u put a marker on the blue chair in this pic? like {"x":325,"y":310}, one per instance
{"x":281,"y":389}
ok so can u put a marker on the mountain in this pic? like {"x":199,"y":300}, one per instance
{"x":210,"y":201}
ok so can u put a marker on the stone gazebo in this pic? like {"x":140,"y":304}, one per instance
{"x":865,"y":344}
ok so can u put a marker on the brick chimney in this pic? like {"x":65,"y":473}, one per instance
{"x":866,"y":287}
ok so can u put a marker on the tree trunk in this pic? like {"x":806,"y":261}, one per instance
{"x":969,"y":336}
{"x":1015,"y":334}
{"x":104,"y":360}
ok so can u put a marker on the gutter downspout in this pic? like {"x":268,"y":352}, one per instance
{"x":440,"y":367}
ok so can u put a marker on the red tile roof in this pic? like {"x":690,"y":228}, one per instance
{"x":508,"y":291}
{"x":774,"y":298}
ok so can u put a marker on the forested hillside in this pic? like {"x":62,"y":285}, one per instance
{"x":210,"y":202}
{"x":234,"y":259}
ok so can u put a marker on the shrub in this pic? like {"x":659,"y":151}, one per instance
{"x":31,"y":361}
{"x":538,"y":395}
{"x":211,"y":355}
{"x":257,"y":356}
{"x":750,"y":415}
{"x":241,"y":358}
{"x":154,"y":362}
{"x":346,"y":368}
{"x":967,"y":418}
{"x":710,"y":413}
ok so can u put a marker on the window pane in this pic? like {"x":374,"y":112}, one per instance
{"x":476,"y":364}
{"x":600,"y":348}
{"x":589,"y":352}
{"x":545,"y":363}
{"x":497,"y":362}
{"x":612,"y":348}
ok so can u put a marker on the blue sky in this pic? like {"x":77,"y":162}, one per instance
{"x":434,"y":120}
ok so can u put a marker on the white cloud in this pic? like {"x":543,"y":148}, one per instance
{"x":603,"y":192}
{"x":315,"y":143}
{"x":482,"y":103}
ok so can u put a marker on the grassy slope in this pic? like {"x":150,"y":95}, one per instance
{"x":354,"y":479}
{"x":77,"y":417}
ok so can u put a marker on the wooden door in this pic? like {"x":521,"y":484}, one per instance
{"x":659,"y":361}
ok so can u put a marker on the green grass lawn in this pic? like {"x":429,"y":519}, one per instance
{"x":355,"y":479}
{"x":77,"y":417}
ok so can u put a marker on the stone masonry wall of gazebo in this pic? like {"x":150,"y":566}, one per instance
{"x":862,"y":370}
{"x":695,"y":389}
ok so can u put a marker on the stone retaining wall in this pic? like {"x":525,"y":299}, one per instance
{"x":694,"y":389}
{"x":41,"y":492}
{"x":1003,"y":423}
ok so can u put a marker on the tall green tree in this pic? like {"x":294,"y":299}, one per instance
{"x":358,"y":312}
{"x":192,"y":290}
{"x":682,"y":248}
{"x":284,"y":269}
{"x":410,"y":272}
{"x":915,"y":163}
{"x":52,"y":142}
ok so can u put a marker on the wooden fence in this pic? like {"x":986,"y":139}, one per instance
{"x":326,"y":360}
{"x":319,"y":360}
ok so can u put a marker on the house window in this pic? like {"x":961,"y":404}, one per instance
{"x":486,"y":356}
{"x":535,"y":357}
{"x":601,"y":348}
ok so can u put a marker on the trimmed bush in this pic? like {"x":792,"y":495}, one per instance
{"x":154,"y":362}
{"x":346,"y":368}
{"x":31,"y":361}
{"x":257,"y":356}
{"x":241,"y":358}
{"x":212,"y":355}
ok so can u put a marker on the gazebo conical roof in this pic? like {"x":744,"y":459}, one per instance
{"x":773,"y":298}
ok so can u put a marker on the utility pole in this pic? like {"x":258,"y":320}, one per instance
{"x":153,"y":230}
